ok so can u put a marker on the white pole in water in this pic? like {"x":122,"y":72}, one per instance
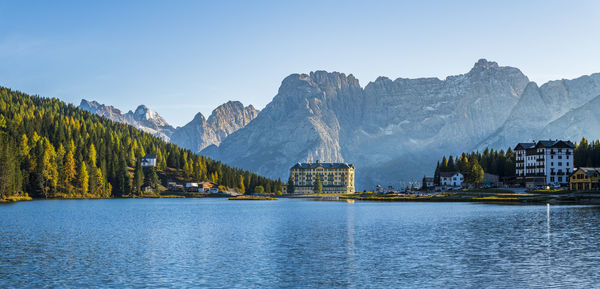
{"x":548,"y":220}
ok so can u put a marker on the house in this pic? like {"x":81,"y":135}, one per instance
{"x":336,"y":178}
{"x":149,"y":160}
{"x":585,"y":179}
{"x":490,"y":180}
{"x":205,"y":186}
{"x":547,"y":162}
{"x":175,"y":187}
{"x":428,"y":182}
{"x":451,"y":179}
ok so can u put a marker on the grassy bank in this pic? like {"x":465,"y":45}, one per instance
{"x":12,"y":199}
{"x":500,"y":196}
{"x":254,"y":198}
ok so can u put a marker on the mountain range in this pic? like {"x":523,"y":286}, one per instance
{"x":195,"y":135}
{"x":392,"y":130}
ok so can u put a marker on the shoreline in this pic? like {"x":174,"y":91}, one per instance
{"x":473,"y":196}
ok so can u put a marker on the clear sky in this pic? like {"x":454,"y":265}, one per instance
{"x":184,"y":57}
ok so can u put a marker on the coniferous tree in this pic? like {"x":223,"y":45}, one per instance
{"x":83,"y":178}
{"x":241,"y":186}
{"x":318,"y":186}
{"x":42,"y":132}
{"x":290,"y":185}
{"x":69,"y":171}
{"x":138,"y":176}
{"x":436,"y":174}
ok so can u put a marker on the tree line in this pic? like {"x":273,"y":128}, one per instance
{"x":50,"y":149}
{"x":473,"y":165}
{"x":501,"y":163}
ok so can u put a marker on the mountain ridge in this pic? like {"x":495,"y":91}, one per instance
{"x":392,"y":130}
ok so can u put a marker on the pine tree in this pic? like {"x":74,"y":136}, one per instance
{"x":69,"y":171}
{"x":92,"y":155}
{"x":476,"y":173}
{"x":290,"y":185}
{"x":436,"y":174}
{"x":138,"y":176}
{"x":83,"y":178}
{"x":101,"y":189}
{"x":318,"y":186}
{"x":49,"y":169}
{"x":241,"y":186}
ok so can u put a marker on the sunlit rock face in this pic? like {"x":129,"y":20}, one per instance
{"x":224,"y":120}
{"x":391,"y":129}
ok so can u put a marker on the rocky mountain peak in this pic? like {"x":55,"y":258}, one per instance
{"x":483,"y":64}
{"x":198,"y":118}
{"x":90,"y":106}
{"x":223,"y":121}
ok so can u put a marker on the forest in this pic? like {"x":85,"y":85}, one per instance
{"x":50,"y":149}
{"x":501,"y":163}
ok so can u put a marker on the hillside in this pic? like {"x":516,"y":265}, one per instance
{"x":49,"y":149}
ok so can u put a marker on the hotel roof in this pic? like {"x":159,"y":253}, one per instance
{"x":545,"y":144}
{"x":323,"y":165}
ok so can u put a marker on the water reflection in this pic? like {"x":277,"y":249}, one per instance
{"x":296,"y":243}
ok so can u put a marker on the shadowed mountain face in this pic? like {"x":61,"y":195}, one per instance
{"x":392,"y":130}
{"x":539,"y":107}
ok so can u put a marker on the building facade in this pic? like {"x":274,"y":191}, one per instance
{"x":451,"y":179}
{"x":585,"y":179}
{"x":547,"y":162}
{"x":336,"y":178}
{"x":149,"y":160}
{"x":428,"y":182}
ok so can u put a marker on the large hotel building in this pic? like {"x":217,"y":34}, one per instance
{"x":336,"y":178}
{"x":546,"y":162}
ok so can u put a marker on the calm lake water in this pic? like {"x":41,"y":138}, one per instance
{"x":296,"y":243}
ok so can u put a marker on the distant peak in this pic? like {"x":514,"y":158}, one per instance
{"x":199,"y":117}
{"x":141,"y":109}
{"x":483,"y":63}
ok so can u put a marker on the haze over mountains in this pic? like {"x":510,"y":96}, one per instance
{"x":392,"y":130}
{"x":195,"y":135}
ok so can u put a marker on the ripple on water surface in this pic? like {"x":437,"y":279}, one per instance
{"x":300,"y":243}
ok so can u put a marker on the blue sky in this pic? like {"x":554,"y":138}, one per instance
{"x":184,"y":57}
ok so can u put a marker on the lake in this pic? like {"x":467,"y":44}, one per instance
{"x":219,"y":243}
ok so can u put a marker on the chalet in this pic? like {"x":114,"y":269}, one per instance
{"x":547,"y":162}
{"x":428,"y":182}
{"x":205,"y":186}
{"x":491,"y":180}
{"x":585,"y":179}
{"x":149,"y":160}
{"x":451,"y":179}
{"x":175,"y":187}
